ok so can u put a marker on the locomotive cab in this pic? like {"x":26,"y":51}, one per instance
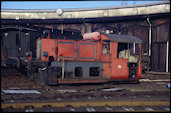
{"x":125,"y":57}
{"x":130,"y":51}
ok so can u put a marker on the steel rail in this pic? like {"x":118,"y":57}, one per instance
{"x":88,"y":103}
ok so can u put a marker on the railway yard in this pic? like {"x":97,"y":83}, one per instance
{"x":18,"y":94}
{"x":86,"y":59}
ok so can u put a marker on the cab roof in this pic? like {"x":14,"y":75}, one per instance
{"x":123,"y":38}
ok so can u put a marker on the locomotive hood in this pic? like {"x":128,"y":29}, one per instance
{"x":123,"y":38}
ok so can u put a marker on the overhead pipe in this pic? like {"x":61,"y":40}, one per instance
{"x":150,"y":32}
{"x":149,"y":52}
{"x":167,"y":57}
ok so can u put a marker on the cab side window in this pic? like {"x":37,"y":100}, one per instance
{"x":105,"y":47}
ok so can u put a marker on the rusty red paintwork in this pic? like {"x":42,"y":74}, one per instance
{"x":90,"y":50}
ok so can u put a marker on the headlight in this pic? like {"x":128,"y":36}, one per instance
{"x":119,"y":66}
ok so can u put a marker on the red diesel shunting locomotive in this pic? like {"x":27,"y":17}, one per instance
{"x":98,"y":57}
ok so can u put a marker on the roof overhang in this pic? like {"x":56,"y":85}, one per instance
{"x":17,"y":29}
{"x":80,"y":15}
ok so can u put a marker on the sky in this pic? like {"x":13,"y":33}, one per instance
{"x":67,"y":4}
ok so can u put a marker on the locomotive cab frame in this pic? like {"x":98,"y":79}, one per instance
{"x":130,"y":51}
{"x":125,"y":57}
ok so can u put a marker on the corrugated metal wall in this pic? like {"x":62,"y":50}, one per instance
{"x":160,"y":37}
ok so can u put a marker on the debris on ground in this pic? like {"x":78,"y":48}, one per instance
{"x":113,"y":89}
{"x":66,"y":90}
{"x":21,"y":91}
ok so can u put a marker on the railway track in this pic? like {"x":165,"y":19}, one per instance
{"x":128,"y":105}
{"x":19,"y":94}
